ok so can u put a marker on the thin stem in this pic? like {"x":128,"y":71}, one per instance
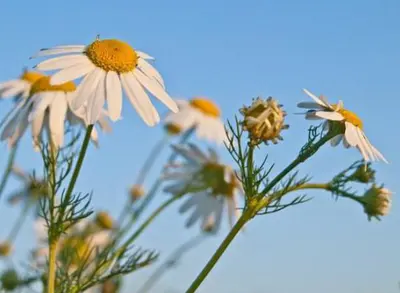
{"x":172,"y":259}
{"x":154,"y":189}
{"x":300,"y":159}
{"x":78,"y":167}
{"x":221,"y":249}
{"x":52,"y":267}
{"x":7,"y":172}
{"x":154,"y":153}
{"x":18,"y":224}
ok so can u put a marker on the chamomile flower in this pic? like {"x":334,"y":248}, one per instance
{"x":46,"y":108}
{"x":20,"y":87}
{"x":350,"y":124}
{"x":208,"y":184}
{"x":199,"y":113}
{"x":107,"y":67}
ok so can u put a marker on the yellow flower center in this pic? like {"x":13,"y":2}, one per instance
{"x":350,"y":117}
{"x":43,"y":85}
{"x":206,"y":106}
{"x":112,"y":55}
{"x":214,"y":177}
{"x":31,"y":76}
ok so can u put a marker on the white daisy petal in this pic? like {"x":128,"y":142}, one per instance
{"x":97,"y":99}
{"x":333,"y":116}
{"x":61,"y":62}
{"x":156,"y":90}
{"x":316,"y":99}
{"x":150,"y":71}
{"x":40,"y":103}
{"x":86,"y":88}
{"x":59,"y":50}
{"x":144,"y":55}
{"x":351,"y":134}
{"x":114,"y":95}
{"x":12,"y":91}
{"x":73,"y":72}
{"x":309,"y":105}
{"x":58,"y":110}
{"x":37,"y":125}
{"x":10,"y":83}
{"x":139,"y":99}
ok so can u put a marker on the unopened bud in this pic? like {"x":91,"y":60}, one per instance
{"x":363,"y":174}
{"x":104,"y":220}
{"x":264,"y":120}
{"x":376,"y":201}
{"x":9,"y":280}
{"x":5,"y":249}
{"x":172,"y":129}
{"x":136,"y":192}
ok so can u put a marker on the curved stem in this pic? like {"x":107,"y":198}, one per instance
{"x":221,"y":249}
{"x":7,"y":172}
{"x":173,"y":258}
{"x":18,"y":224}
{"x":154,"y":153}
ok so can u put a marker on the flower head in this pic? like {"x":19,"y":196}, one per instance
{"x":377,"y":201}
{"x":264,"y":120}
{"x":349,"y":124}
{"x":46,"y":109}
{"x":21,"y":87}
{"x":136,"y":192}
{"x":200,"y":113}
{"x":208,"y":184}
{"x":104,"y":220}
{"x":107,"y":67}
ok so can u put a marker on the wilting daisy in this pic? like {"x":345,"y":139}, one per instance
{"x":20,"y":87}
{"x":107,"y":67}
{"x":376,"y":201}
{"x":209,"y":186}
{"x":201,"y":114}
{"x":46,"y":108}
{"x":352,"y":133}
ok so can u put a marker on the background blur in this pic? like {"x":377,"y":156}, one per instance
{"x":232,"y":52}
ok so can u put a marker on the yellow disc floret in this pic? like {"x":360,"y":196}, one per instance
{"x":352,"y":118}
{"x":206,"y":106}
{"x":31,"y":76}
{"x":43,"y":85}
{"x":112,"y":55}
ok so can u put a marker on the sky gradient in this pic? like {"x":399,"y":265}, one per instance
{"x":232,"y":52}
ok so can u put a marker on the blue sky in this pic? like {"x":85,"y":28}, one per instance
{"x":231,"y":52}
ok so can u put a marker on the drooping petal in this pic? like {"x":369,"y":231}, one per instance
{"x":96,"y":100}
{"x":58,"y":111}
{"x":150,"y":71}
{"x":336,"y":140}
{"x":86,"y":88}
{"x":72,"y":72}
{"x":113,"y":95}
{"x":351,"y":134}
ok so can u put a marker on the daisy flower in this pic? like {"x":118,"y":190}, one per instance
{"x":201,"y":114}
{"x":20,"y":87}
{"x":46,"y":108}
{"x":377,"y":201}
{"x":107,"y":67}
{"x":208,"y":184}
{"x":352,"y":126}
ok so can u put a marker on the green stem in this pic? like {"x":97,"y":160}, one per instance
{"x":221,"y":249}
{"x":21,"y":218}
{"x":52,"y":267}
{"x":78,"y":167}
{"x":154,"y":189}
{"x":7,"y":172}
{"x":173,"y":258}
{"x":154,"y":153}
{"x":300,"y":159}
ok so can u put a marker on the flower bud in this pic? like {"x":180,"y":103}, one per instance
{"x":264,"y":120}
{"x":363,"y":174}
{"x":376,"y":201}
{"x":173,"y":129}
{"x":9,"y":280}
{"x":104,"y":220}
{"x":5,"y":249}
{"x":136,"y":192}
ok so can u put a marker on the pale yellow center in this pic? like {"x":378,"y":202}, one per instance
{"x":31,"y":76}
{"x":206,"y":106}
{"x":112,"y":55}
{"x":350,"y":117}
{"x":43,"y":85}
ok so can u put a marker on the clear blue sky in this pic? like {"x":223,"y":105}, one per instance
{"x":231,"y":52}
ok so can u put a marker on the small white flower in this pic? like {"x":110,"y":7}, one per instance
{"x":201,"y":114}
{"x":353,"y":134}
{"x":107,"y":67}
{"x":208,"y":184}
{"x":46,"y":109}
{"x":19,"y":88}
